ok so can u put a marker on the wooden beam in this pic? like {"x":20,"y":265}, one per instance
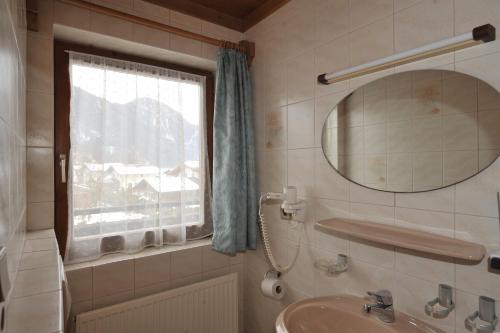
{"x":200,"y":11}
{"x":263,"y":11}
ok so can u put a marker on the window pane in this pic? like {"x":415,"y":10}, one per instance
{"x":135,"y":150}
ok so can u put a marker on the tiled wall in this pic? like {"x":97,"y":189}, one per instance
{"x":36,"y":301}
{"x":12,"y":130}
{"x":150,"y":272}
{"x":40,"y":99}
{"x":309,"y":37}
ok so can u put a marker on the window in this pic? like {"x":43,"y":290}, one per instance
{"x":137,"y":160}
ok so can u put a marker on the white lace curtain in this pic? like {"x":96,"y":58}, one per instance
{"x":138,"y":166}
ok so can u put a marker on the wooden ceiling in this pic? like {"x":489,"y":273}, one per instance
{"x":239,"y":15}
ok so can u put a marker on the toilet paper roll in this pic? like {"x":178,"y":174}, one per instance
{"x":273,"y":287}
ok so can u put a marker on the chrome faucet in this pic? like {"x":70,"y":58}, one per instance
{"x":383,"y":308}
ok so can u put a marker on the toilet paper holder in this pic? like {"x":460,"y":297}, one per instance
{"x":272,"y":274}
{"x":272,"y":286}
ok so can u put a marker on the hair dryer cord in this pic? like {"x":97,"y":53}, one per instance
{"x":264,"y":233}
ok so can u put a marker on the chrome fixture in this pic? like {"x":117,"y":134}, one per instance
{"x":62,"y":164}
{"x":478,"y":35}
{"x":383,"y":308}
{"x":291,"y":207}
{"x":442,"y":305}
{"x":333,"y":267}
{"x":486,"y":315}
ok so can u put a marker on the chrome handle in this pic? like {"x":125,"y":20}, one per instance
{"x":62,"y":164}
{"x":487,"y":309}
{"x":470,"y":321}
{"x":486,"y":314}
{"x":382,"y":296}
{"x":441,"y":306}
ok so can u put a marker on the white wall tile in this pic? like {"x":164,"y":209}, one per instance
{"x":331,"y":19}
{"x":300,"y":117}
{"x":113,"y":278}
{"x":43,"y":307}
{"x":440,"y":200}
{"x":38,"y":259}
{"x":213,"y":260}
{"x":274,"y":173}
{"x":40,"y":215}
{"x":110,"y":26}
{"x":301,"y":171}
{"x":365,"y":277}
{"x":151,"y":270}
{"x":40,"y":174}
{"x":365,"y":195}
{"x":372,"y":41}
{"x":301,"y":277}
{"x":363,"y":13}
{"x":80,"y":284}
{"x":478,"y":195}
{"x":372,"y":253}
{"x":40,"y":119}
{"x":150,"y":36}
{"x":120,"y":297}
{"x":300,"y":78}
{"x":322,"y":108}
{"x":276,"y":128}
{"x":275,"y":84}
{"x":423,"y":23}
{"x":185,"y":263}
{"x":328,"y":183}
{"x":40,"y":65}
{"x":476,"y":279}
{"x":434,"y":222}
{"x":373,"y":213}
{"x":36,"y":281}
{"x":482,"y":230}
{"x":425,"y":266}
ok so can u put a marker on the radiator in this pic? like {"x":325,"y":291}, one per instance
{"x":210,"y":307}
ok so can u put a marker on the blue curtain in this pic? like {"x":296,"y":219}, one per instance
{"x":234,"y":183}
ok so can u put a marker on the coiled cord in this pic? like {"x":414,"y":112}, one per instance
{"x":267,"y":242}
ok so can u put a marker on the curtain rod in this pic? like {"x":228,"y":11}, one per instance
{"x":479,"y":35}
{"x":244,"y":46}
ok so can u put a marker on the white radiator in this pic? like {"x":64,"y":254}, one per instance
{"x":209,"y":307}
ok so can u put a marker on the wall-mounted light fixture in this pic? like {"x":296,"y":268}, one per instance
{"x":479,"y":35}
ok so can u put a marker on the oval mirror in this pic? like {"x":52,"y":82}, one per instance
{"x":414,"y":131}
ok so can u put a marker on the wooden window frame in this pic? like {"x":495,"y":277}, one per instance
{"x":62,"y":97}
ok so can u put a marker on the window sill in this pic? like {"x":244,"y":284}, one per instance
{"x":116,"y":257}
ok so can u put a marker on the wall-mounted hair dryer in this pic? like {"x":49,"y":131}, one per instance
{"x":291,"y":208}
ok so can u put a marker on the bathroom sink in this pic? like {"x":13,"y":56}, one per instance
{"x":343,"y":314}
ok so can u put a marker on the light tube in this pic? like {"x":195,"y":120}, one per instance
{"x":479,"y":35}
